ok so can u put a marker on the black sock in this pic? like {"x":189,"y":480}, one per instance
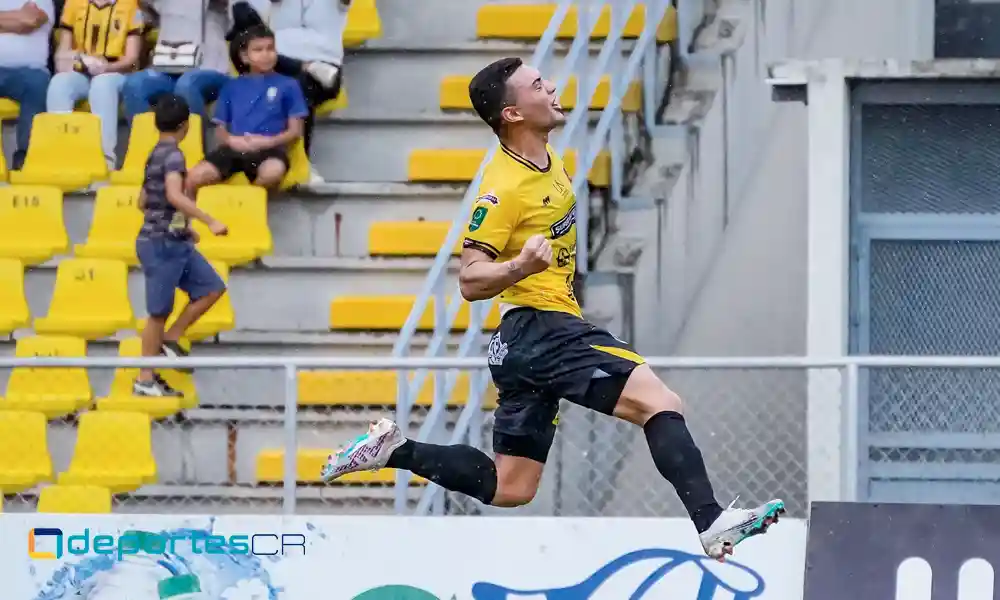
{"x":679,"y":460}
{"x":462,"y":469}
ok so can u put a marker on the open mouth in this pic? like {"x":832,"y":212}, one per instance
{"x":557,"y":107}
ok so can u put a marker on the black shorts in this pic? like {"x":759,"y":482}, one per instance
{"x":229,"y":162}
{"x":537,"y":357}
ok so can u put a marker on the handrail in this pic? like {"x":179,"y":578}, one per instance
{"x":588,"y":75}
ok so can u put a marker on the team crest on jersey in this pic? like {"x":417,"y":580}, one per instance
{"x":560,"y":187}
{"x":490,"y":197}
{"x":497,"y":351}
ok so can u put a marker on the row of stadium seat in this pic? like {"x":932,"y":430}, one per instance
{"x":529,"y":21}
{"x":127,"y":464}
{"x":60,"y":392}
{"x":91,"y":301}
{"x":455,"y":94}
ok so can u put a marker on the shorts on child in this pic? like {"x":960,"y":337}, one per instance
{"x":229,"y":162}
{"x":169,"y":264}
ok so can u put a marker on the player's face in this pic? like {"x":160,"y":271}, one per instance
{"x":535,"y":99}
{"x":261,"y":55}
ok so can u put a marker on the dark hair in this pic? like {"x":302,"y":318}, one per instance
{"x":255,"y":32}
{"x":171,"y":113}
{"x":488,"y":90}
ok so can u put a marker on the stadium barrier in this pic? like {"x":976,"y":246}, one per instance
{"x":386,"y":558}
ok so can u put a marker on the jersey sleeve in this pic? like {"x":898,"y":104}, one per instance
{"x":69,"y":15}
{"x":494,"y":216}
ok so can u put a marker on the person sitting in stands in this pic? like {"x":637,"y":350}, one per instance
{"x":198,"y":86}
{"x":25,"y":30}
{"x":99,"y":43}
{"x":257,"y":116}
{"x":309,"y":35}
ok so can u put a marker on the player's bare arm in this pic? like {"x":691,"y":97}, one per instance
{"x":481,"y":278}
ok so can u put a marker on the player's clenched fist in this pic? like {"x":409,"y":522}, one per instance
{"x":536,"y":255}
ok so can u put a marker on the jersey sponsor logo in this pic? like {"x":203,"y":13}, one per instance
{"x":565,"y":224}
{"x":478,"y":216}
{"x":565,"y":256}
{"x":497,"y":351}
{"x":491,"y":198}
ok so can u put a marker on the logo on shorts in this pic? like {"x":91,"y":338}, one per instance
{"x":478,"y":216}
{"x":497,"y":351}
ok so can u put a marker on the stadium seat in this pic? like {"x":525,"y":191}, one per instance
{"x":52,"y":392}
{"x":409,"y":238}
{"x":309,"y":464}
{"x":141,"y":140}
{"x":8,"y":109}
{"x":374,"y":389}
{"x":90,"y":299}
{"x":363,"y":23}
{"x":529,"y":22}
{"x":31,"y":223}
{"x":244,"y":210}
{"x":330,"y":106}
{"x":122,"y":466}
{"x":115,"y":225}
{"x":74,"y":499}
{"x":388,"y":313}
{"x":120,"y":396}
{"x":24,"y":451}
{"x":461,"y":165}
{"x":3,"y":163}
{"x":298,"y":168}
{"x":219,"y":318}
{"x":54,"y":137}
{"x":14,"y":312}
{"x":455,"y":94}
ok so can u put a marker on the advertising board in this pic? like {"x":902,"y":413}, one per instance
{"x":132,"y":557}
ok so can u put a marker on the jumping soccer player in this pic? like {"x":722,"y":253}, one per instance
{"x":521,"y":246}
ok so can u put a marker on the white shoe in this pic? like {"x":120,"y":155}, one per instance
{"x":737,"y":524}
{"x":369,"y":452}
{"x":324,"y":73}
{"x":314,"y":177}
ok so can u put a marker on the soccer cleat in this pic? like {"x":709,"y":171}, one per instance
{"x":156,"y":388}
{"x":737,"y":524}
{"x":175,"y":350}
{"x":369,"y":452}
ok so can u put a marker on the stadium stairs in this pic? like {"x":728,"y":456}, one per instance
{"x":338,"y":277}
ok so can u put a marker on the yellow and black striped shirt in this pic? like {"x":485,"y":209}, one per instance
{"x":101,"y":29}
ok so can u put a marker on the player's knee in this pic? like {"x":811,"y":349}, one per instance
{"x":510,"y":497}
{"x":644,"y":396}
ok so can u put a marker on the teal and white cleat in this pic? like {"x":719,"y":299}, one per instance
{"x":369,"y":452}
{"x":737,"y":524}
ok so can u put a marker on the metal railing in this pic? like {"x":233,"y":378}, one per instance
{"x":826,"y":394}
{"x":577,"y":134}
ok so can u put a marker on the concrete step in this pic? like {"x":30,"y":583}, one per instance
{"x":299,"y":291}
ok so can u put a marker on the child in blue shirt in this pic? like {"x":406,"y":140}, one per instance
{"x":257,"y":116}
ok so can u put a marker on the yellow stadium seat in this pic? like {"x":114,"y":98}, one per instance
{"x":122,"y":465}
{"x":52,"y":392}
{"x":3,"y":164}
{"x":219,"y":318}
{"x":141,"y":140}
{"x":116,"y":223}
{"x":363,"y":23}
{"x":8,"y":109}
{"x":409,"y":238}
{"x":387,"y":313}
{"x":374,"y":388}
{"x":56,"y":137}
{"x":120,"y":396}
{"x":31,"y":223}
{"x":338,"y":103}
{"x":309,"y":464}
{"x":14,"y":312}
{"x":455,"y":94}
{"x":298,"y":168}
{"x":461,"y":164}
{"x":75,"y":499}
{"x":24,"y":451}
{"x":244,"y":210}
{"x":90,"y":299}
{"x":529,"y":22}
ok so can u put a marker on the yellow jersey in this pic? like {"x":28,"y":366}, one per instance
{"x":101,"y":30}
{"x":517,"y":200}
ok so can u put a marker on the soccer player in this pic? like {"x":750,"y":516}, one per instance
{"x":521,"y":247}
